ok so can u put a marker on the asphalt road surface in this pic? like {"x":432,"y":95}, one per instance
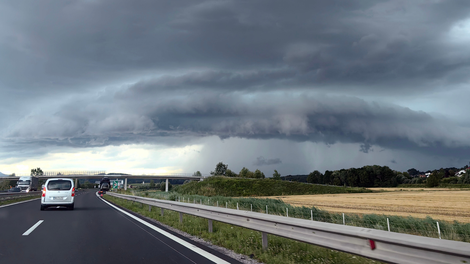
{"x":94,"y":232}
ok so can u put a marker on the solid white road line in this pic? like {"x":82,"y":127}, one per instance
{"x":32,"y":228}
{"x":170,"y":236}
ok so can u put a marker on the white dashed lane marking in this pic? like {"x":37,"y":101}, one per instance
{"x":32,"y":228}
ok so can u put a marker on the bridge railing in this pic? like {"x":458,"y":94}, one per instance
{"x":71,"y":173}
{"x":371,"y":243}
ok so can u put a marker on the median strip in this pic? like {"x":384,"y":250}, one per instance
{"x":32,"y":228}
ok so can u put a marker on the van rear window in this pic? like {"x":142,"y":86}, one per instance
{"x":59,"y":185}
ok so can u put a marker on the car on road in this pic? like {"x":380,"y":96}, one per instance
{"x":58,"y":192}
{"x":14,"y":189}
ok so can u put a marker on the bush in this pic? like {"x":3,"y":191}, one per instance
{"x":450,"y":180}
{"x":163,"y":186}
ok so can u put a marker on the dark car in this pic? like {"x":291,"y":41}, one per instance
{"x":14,"y":189}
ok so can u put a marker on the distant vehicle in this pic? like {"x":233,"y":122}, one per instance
{"x":14,"y":189}
{"x":58,"y":192}
{"x":105,"y":184}
{"x":28,"y":183}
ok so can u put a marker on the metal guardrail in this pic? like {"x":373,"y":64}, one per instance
{"x":375,"y":244}
{"x":11,"y":195}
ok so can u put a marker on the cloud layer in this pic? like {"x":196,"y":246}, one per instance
{"x":86,"y":74}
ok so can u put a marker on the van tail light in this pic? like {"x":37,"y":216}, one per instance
{"x":44,"y":192}
{"x":73,"y":191}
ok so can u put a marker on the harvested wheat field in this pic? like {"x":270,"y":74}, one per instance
{"x":442,"y":205}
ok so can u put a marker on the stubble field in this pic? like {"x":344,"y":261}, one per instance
{"x":442,"y":204}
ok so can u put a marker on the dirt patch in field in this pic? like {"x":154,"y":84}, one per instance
{"x":442,"y":205}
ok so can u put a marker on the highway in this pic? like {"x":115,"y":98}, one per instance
{"x":94,"y":232}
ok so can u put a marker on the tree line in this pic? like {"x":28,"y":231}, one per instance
{"x":222,"y":169}
{"x":366,"y":176}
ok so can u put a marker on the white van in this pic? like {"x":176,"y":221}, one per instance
{"x":58,"y":192}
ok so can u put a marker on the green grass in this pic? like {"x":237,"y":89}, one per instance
{"x":19,"y":199}
{"x":245,"y":241}
{"x":233,"y":187}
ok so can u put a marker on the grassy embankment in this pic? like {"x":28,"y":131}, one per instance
{"x":19,"y":199}
{"x":237,"y":187}
{"x":242,"y":240}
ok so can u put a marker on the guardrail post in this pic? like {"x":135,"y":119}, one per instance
{"x":181,"y":217}
{"x":125,"y":184}
{"x":162,"y":212}
{"x":210,"y":225}
{"x":264,"y":240}
{"x":166,"y":186}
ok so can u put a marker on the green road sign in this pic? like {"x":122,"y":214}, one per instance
{"x":115,"y":184}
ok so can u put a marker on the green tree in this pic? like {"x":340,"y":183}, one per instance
{"x":197,"y":173}
{"x":327,"y":177}
{"x":314,"y":177}
{"x":276,"y":175}
{"x":433,"y":180}
{"x":220,"y":169}
{"x":152,"y":184}
{"x":230,"y":173}
{"x":258,"y":174}
{"x":244,"y":173}
{"x":37,"y":172}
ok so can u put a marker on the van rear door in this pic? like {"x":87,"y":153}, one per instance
{"x":59,"y":191}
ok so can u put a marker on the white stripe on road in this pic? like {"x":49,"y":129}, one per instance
{"x":170,"y":236}
{"x":32,"y":228}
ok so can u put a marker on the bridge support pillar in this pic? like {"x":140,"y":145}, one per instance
{"x":76,"y":180}
{"x":166,"y":186}
{"x":125,"y":184}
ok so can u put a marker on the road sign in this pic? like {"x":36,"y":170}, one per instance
{"x":115,"y":184}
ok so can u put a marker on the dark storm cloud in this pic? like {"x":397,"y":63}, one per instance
{"x":261,"y":161}
{"x":366,"y":147}
{"x":97,"y":73}
{"x":303,"y":117}
{"x":372,"y":43}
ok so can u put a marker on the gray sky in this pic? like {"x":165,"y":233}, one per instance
{"x":177,"y":86}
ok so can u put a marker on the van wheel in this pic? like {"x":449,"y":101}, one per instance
{"x":42,"y":207}
{"x":71,"y":207}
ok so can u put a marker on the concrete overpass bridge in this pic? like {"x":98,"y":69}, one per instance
{"x":100,"y":174}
